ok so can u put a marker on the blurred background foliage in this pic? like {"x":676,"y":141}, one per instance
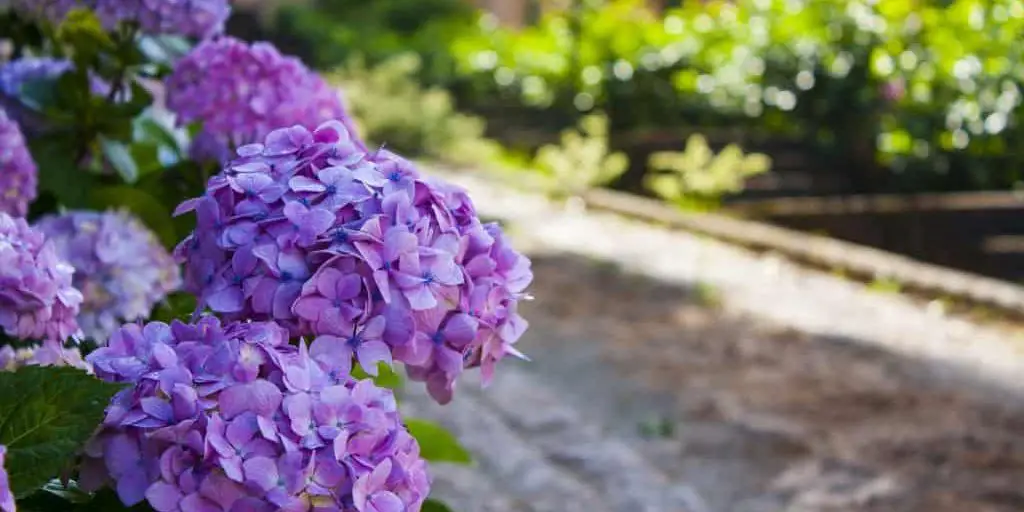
{"x":894,"y":95}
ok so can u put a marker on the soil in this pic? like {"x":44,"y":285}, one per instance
{"x":760,"y":417}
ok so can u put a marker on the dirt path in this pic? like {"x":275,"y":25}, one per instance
{"x":660,"y":392}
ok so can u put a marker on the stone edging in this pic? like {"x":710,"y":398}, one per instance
{"x":821,"y":251}
{"x":856,"y":260}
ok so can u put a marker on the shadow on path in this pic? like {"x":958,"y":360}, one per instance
{"x":761,"y":418}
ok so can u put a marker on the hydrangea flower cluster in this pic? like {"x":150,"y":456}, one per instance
{"x":359,"y":251}
{"x":17,"y":169}
{"x":192,"y":18}
{"x":6,"y":496}
{"x":47,"y":353}
{"x":240,"y":92}
{"x":16,"y":73}
{"x":231,"y":417}
{"x":121,"y":268}
{"x":21,"y":73}
{"x":37,"y":298}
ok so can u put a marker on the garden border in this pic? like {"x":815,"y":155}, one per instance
{"x":859,"y":260}
{"x":855,"y":260}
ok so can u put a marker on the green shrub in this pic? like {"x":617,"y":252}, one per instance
{"x":582,"y":160}
{"x":697,"y":177}
{"x":929,"y":89}
{"x":391,"y":108}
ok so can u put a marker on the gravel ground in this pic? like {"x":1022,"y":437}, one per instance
{"x":676,"y":373}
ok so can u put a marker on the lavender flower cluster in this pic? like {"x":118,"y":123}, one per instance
{"x":121,"y":268}
{"x":192,"y":18}
{"x":17,"y":169}
{"x":231,"y":417}
{"x":18,"y":73}
{"x":358,"y":251}
{"x":37,"y":298}
{"x":240,"y":92}
{"x":47,"y":353}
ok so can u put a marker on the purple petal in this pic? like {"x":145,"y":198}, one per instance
{"x":261,"y":471}
{"x":460,"y":330}
{"x":310,"y":308}
{"x":304,"y":184}
{"x":163,"y":497}
{"x":228,"y":300}
{"x":260,"y":397}
{"x":132,"y":486}
{"x":372,"y":352}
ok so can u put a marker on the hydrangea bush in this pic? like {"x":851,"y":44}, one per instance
{"x":263,"y":376}
{"x":122,"y":270}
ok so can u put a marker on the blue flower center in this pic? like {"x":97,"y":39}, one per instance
{"x":331,"y":189}
{"x":395,"y":176}
{"x":355,"y":340}
{"x":428,"y":277}
{"x":437,"y":338}
{"x":236,"y":280}
{"x":340,"y":236}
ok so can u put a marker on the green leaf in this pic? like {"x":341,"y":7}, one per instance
{"x":73,"y":499}
{"x":177,"y":306}
{"x":58,"y":172}
{"x":386,"y":377}
{"x":432,"y":505}
{"x":436,"y":443}
{"x":82,"y":30}
{"x":147,"y":208}
{"x":150,"y":130}
{"x":38,"y":94}
{"x":46,"y":414}
{"x":120,"y":156}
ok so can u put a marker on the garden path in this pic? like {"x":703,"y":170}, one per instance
{"x":673,"y":373}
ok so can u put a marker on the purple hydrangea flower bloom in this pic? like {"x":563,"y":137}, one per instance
{"x":241,"y":92}
{"x":121,"y":268}
{"x":192,"y":18}
{"x":21,"y":73}
{"x":233,"y":418}
{"x":358,"y":252}
{"x":48,"y":353}
{"x":17,"y":169}
{"x":37,"y":298}
{"x":6,"y":496}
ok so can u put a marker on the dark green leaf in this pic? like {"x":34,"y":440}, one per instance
{"x":150,"y":130}
{"x":432,"y":505}
{"x":147,"y":208}
{"x":149,"y":157}
{"x":58,"y":172}
{"x":73,"y":91}
{"x":436,"y":443}
{"x":120,"y":156}
{"x":177,"y":306}
{"x":38,"y":94}
{"x":46,"y":414}
{"x":105,"y":500}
